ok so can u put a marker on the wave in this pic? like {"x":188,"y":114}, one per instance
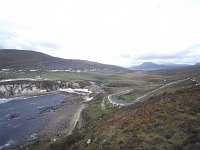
{"x":8,"y":144}
{"x":5,"y":100}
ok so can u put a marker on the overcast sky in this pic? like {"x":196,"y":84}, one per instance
{"x":119,"y":32}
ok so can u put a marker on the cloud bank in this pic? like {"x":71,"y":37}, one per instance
{"x":123,"y":33}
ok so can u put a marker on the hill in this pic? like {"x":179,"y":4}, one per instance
{"x":154,"y":66}
{"x":32,"y":60}
{"x":197,"y":63}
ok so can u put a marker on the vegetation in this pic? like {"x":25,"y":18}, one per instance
{"x":133,"y":94}
{"x":168,"y":121}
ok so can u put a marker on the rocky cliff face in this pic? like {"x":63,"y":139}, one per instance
{"x":26,"y":87}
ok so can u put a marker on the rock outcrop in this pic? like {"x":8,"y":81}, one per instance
{"x":27,"y":87}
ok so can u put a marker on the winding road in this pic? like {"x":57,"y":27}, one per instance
{"x":113,"y":97}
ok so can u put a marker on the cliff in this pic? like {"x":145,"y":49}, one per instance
{"x":31,"y":87}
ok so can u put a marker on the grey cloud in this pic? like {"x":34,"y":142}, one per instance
{"x":158,"y":56}
{"x":13,"y":40}
{"x":126,"y":56}
{"x":2,"y":46}
{"x":6,"y":35}
{"x":9,"y":26}
{"x":34,"y":45}
{"x":48,"y":45}
{"x":189,"y":55}
{"x":9,"y":38}
{"x":191,"y":52}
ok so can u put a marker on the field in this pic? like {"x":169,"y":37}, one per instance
{"x":168,"y":120}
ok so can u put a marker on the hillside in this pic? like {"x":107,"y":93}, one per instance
{"x":31,"y":60}
{"x":154,"y":66}
{"x":169,"y":121}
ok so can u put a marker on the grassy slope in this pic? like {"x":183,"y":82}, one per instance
{"x":169,"y":120}
{"x":27,"y":60}
{"x":72,"y":76}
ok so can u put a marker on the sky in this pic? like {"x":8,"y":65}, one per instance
{"x":118,"y":32}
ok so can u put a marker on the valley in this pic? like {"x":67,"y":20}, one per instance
{"x":107,"y":109}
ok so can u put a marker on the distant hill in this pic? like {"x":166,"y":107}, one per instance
{"x":197,"y":63}
{"x":32,"y":60}
{"x":154,"y":66}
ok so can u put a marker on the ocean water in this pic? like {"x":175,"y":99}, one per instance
{"x":21,"y":117}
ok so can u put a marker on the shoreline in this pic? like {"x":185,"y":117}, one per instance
{"x":61,"y":124}
{"x":60,"y":91}
{"x":65,"y":119}
{"x":27,"y":116}
{"x":7,"y":99}
{"x":66,"y":116}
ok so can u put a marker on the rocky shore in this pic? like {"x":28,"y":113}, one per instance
{"x":63,"y":120}
{"x":66,"y":116}
{"x":27,"y":87}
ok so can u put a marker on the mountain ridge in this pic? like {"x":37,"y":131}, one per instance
{"x":154,"y":66}
{"x":31,"y":60}
{"x":197,"y":63}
